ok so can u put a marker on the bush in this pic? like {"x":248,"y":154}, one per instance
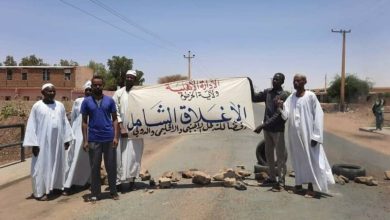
{"x":354,"y":89}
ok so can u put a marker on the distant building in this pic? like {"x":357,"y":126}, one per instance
{"x":25,"y":82}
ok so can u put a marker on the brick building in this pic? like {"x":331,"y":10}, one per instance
{"x":25,"y":82}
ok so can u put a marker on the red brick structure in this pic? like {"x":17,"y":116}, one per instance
{"x":25,"y":82}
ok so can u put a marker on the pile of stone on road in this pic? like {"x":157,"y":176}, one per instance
{"x":368,"y":180}
{"x":340,"y":179}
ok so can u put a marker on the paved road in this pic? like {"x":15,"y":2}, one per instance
{"x":212,"y":153}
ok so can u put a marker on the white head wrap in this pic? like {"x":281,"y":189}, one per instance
{"x":46,"y":85}
{"x":87,"y":84}
{"x":131,"y":72}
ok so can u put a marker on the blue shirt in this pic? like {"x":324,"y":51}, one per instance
{"x":100,"y":128}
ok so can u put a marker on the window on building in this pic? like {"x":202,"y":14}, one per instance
{"x":67,"y":73}
{"x":9,"y":74}
{"x":26,"y":98}
{"x":24,"y":76}
{"x":46,"y":75}
{"x":8,"y":98}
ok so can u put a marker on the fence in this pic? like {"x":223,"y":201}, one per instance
{"x":22,"y":154}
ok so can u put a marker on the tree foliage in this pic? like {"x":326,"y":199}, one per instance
{"x":98,"y":68}
{"x":354,"y":88}
{"x":171,"y":78}
{"x":9,"y":61}
{"x":32,"y":60}
{"x":140,"y":80}
{"x":117,"y":67}
{"x":68,"y":63}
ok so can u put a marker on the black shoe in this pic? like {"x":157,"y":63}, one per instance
{"x":268,"y":182}
{"x":276,"y":188}
{"x":115,"y":196}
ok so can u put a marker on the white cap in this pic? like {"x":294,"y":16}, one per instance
{"x":46,"y":85}
{"x":87,"y":84}
{"x":131,"y":72}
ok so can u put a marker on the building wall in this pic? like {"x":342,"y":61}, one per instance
{"x":30,"y":89}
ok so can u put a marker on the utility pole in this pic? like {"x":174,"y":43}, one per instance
{"x":342,"y":87}
{"x":189,"y":57}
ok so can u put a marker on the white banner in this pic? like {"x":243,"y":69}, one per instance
{"x":190,"y":107}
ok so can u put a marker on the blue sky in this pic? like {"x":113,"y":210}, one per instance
{"x":229,"y":38}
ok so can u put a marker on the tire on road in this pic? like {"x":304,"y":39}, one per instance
{"x":260,"y":168}
{"x":260,"y":154}
{"x":348,"y":170}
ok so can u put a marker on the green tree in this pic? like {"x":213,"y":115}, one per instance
{"x":171,"y":78}
{"x":354,"y":88}
{"x":140,"y":80}
{"x":9,"y":61}
{"x":98,"y":68}
{"x":32,"y":60}
{"x":118,"y":67}
{"x":68,"y":63}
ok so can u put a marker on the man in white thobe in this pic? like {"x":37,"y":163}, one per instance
{"x":305,"y":128}
{"x":129,"y":152}
{"x":48,"y":132}
{"x":78,"y":169}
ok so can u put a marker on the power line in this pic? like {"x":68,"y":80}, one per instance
{"x":112,"y":25}
{"x":130,"y":22}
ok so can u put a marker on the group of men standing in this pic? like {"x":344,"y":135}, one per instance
{"x":304,"y":117}
{"x":99,"y":128}
{"x":62,"y":150}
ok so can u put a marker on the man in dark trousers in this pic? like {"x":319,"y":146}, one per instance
{"x":273,"y":126}
{"x":99,"y":115}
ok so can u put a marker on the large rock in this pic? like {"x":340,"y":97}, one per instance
{"x":368,"y":180}
{"x":164,"y":182}
{"x":167,"y":174}
{"x":144,"y":175}
{"x":387,"y":175}
{"x":243,"y":173}
{"x":229,"y":182}
{"x":176,"y":177}
{"x":201,"y":178}
{"x":188,"y":174}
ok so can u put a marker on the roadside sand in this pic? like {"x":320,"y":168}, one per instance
{"x":346,"y":125}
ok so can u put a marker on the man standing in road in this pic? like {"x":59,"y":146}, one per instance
{"x":305,"y":128}
{"x":99,"y":115}
{"x":48,"y":132}
{"x":378,"y":108}
{"x":273,"y":126}
{"x":78,"y":168}
{"x":129,"y":152}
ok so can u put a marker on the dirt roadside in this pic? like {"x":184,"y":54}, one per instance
{"x":346,"y":125}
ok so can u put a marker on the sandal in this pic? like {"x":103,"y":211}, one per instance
{"x":43,"y":198}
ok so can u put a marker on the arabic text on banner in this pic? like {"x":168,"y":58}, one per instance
{"x":190,"y":107}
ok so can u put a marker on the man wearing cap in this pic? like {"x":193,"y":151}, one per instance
{"x":100,"y":136}
{"x":129,"y":152}
{"x":48,"y":132}
{"x":78,"y":169}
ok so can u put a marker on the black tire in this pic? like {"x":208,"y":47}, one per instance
{"x":348,"y":170}
{"x":260,"y":154}
{"x":261,"y":168}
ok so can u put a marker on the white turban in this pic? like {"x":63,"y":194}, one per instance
{"x":131,"y":72}
{"x":87,"y":84}
{"x":46,"y":85}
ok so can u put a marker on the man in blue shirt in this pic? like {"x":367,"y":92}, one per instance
{"x":99,"y":115}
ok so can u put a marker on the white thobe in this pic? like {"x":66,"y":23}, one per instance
{"x":129,"y":151}
{"x":78,"y":168}
{"x":48,"y":128}
{"x":305,"y":123}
